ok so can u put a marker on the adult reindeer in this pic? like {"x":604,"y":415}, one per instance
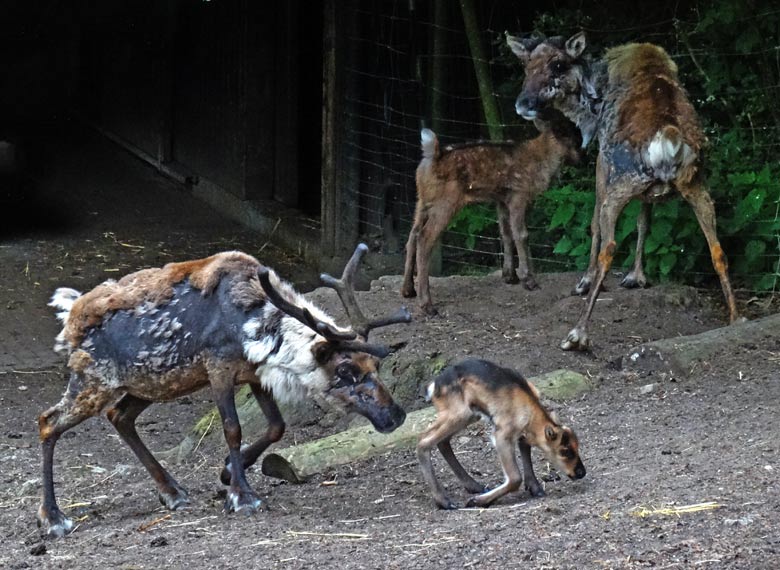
{"x":226,"y":320}
{"x":650,"y":143}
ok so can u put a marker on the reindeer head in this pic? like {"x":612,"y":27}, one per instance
{"x":346,"y":360}
{"x":562,"y":448}
{"x":556,"y":75}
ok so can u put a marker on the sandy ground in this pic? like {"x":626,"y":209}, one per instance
{"x":709,"y":437}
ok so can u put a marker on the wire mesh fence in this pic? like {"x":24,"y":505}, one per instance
{"x":413,"y":66}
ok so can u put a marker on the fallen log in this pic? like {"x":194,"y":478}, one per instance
{"x":681,"y":356}
{"x":299,"y":462}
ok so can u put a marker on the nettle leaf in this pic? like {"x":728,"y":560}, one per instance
{"x":564,"y":245}
{"x":661,"y":230}
{"x":581,"y":249}
{"x":748,"y":207}
{"x":754,"y":250}
{"x":768,"y":282}
{"x":667,"y":262}
{"x":563,"y":214}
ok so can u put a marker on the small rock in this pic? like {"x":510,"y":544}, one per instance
{"x":22,"y":388}
{"x":159,"y":541}
{"x":648,"y":388}
{"x":38,"y":549}
{"x":14,"y":435}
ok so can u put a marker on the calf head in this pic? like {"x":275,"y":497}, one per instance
{"x":556,"y":75}
{"x":562,"y":449}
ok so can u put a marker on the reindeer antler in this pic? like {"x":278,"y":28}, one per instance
{"x":345,"y":288}
{"x":301,"y":314}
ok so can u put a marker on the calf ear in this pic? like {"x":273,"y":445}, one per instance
{"x":550,"y":433}
{"x":575,"y":45}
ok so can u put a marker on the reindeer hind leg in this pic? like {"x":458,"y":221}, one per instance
{"x":469,"y":483}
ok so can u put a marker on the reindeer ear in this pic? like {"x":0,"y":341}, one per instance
{"x":550,"y":433}
{"x":522,"y":48}
{"x":323,"y":351}
{"x":575,"y":45}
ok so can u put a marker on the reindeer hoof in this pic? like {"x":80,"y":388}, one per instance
{"x":477,"y":501}
{"x":582,"y":287}
{"x":244,"y":502}
{"x":510,"y":277}
{"x":535,"y":490}
{"x":54,"y":524}
{"x":632,"y":281}
{"x":429,"y":309}
{"x":576,"y":340}
{"x":408,"y":292}
{"x":530,"y":284}
{"x":176,"y":499}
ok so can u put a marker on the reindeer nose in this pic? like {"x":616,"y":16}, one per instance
{"x":579,"y":472}
{"x":525,"y":106}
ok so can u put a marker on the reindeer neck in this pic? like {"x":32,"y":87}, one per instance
{"x":534,"y":430}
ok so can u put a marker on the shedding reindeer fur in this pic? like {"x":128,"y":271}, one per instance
{"x":226,"y":320}
{"x":510,"y":174}
{"x":474,"y":389}
{"x":651,"y":145}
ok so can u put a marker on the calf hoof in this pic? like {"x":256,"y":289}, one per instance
{"x":576,"y":340}
{"x":535,"y":490}
{"x":408,"y":291}
{"x":175,"y":499}
{"x":634,"y":281}
{"x":530,"y":284}
{"x":54,"y":524}
{"x":478,"y":501}
{"x":244,"y":502}
{"x":510,"y":277}
{"x":446,"y":504}
{"x":477,"y":488}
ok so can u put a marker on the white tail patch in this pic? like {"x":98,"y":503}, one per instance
{"x":430,"y":144}
{"x":429,"y":391}
{"x":63,"y":300}
{"x":666,"y":153}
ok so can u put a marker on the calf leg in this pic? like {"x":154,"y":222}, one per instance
{"x":636,"y":277}
{"x":273,"y":433}
{"x":439,"y":215}
{"x":517,"y":210}
{"x":617,"y":198}
{"x":469,"y":483}
{"x":123,"y":415}
{"x":78,"y":404}
{"x":513,"y":477}
{"x":240,"y":496}
{"x":700,"y":201}
{"x":532,"y":484}
{"x":407,"y":288}
{"x":445,"y":426}
{"x":509,"y":267}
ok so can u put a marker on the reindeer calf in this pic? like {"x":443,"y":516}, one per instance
{"x":226,"y":320}
{"x":510,"y":174}
{"x":473,"y":388}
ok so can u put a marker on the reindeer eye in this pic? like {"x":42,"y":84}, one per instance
{"x":345,"y":371}
{"x":559,"y":66}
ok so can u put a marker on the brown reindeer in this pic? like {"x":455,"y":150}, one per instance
{"x":509,"y":174}
{"x":226,"y":320}
{"x":478,"y":388}
{"x":650,"y":144}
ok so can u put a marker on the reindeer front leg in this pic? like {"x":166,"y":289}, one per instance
{"x":273,"y":434}
{"x":583,"y":286}
{"x":636,"y":277}
{"x":505,"y":446}
{"x":532,"y":484}
{"x":509,"y":268}
{"x":240,"y":497}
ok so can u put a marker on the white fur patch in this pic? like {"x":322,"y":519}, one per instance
{"x":428,"y":141}
{"x":63,"y":299}
{"x":429,"y":391}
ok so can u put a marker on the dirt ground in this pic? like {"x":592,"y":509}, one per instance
{"x":710,"y":437}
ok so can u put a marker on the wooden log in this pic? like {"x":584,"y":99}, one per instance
{"x":681,"y":356}
{"x":299,"y":462}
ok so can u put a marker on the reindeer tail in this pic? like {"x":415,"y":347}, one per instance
{"x":667,"y":152}
{"x":430,"y":144}
{"x":63,"y":300}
